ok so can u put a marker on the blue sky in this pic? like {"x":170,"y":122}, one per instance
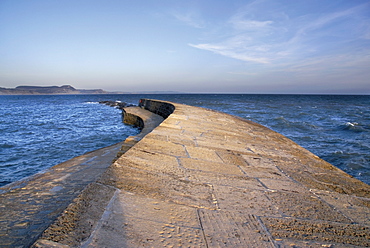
{"x":262,"y":46}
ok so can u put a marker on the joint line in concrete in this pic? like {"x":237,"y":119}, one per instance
{"x":241,"y":169}
{"x":333,"y":207}
{"x":201,"y":227}
{"x":186,"y":151}
{"x":179,"y":163}
{"x":104,"y":217}
{"x":266,"y":230}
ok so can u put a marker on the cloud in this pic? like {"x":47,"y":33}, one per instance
{"x":243,"y":73}
{"x":247,"y":39}
{"x":249,"y":24}
{"x":341,"y":62}
{"x":231,"y":53}
{"x":190,"y":18}
{"x":248,"y":46}
{"x":322,"y":21}
{"x":263,"y":33}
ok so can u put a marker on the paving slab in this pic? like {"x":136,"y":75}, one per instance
{"x":208,"y":179}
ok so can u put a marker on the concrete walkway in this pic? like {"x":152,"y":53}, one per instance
{"x":208,"y":179}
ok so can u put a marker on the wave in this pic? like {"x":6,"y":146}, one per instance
{"x":296,"y":125}
{"x":353,"y":126}
{"x":7,"y":145}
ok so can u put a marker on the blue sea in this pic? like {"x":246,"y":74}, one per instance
{"x":37,"y":132}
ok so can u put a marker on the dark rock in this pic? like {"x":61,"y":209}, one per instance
{"x":117,"y":104}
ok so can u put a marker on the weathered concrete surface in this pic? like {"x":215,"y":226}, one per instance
{"x":29,"y":206}
{"x":208,"y":179}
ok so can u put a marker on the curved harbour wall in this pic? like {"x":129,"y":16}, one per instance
{"x":192,"y":177}
{"x":208,"y":179}
{"x":161,"y":108}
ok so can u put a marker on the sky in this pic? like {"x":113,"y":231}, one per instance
{"x":204,"y":46}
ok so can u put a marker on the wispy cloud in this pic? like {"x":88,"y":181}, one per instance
{"x":249,"y":24}
{"x":341,"y":63}
{"x":320,"y":22}
{"x":246,"y":39}
{"x":278,"y":37}
{"x":243,"y":73}
{"x":230,"y":52}
{"x":190,"y":18}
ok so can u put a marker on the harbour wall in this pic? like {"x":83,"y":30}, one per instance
{"x":203,"y":178}
{"x":192,"y":177}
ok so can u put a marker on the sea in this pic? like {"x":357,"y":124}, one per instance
{"x":40,"y":131}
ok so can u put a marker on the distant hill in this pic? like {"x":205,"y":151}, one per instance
{"x":48,"y":90}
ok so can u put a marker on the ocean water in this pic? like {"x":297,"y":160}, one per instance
{"x":38,"y":132}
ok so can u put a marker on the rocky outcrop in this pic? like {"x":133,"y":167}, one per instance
{"x":117,"y":104}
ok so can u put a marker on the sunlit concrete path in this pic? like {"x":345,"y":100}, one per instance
{"x":207,"y":179}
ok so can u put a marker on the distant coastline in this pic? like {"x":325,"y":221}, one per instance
{"x":68,"y":90}
{"x":48,"y":90}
